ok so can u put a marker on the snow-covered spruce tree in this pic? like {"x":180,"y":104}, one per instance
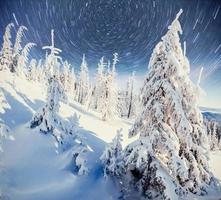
{"x":32,"y":70}
{"x":112,"y":156}
{"x":17,"y":47}
{"x":83,"y":82}
{"x":22,"y":69}
{"x":6,"y":51}
{"x":39,"y":70}
{"x":73,"y":83}
{"x":99,"y":90}
{"x":89,"y":96}
{"x":130,"y":97}
{"x":66,"y":76}
{"x":121,"y":105}
{"x":45,"y":71}
{"x":126,"y":100}
{"x":109,"y":102}
{"x":172,"y":143}
{"x":47,"y":118}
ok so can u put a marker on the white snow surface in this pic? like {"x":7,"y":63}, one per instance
{"x":31,"y":168}
{"x":215,"y":163}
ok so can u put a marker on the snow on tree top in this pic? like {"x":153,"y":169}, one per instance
{"x":176,"y":24}
{"x":53,"y":49}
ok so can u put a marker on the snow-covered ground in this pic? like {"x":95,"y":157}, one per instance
{"x":215,"y":163}
{"x":31,"y":168}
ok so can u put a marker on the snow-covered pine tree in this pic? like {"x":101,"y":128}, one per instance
{"x":53,"y":60}
{"x":17,"y":47}
{"x":22,"y":69}
{"x":69,"y":77}
{"x":73,"y":83}
{"x":112,"y":156}
{"x":104,"y":102}
{"x":45,"y":73}
{"x":89,"y":97}
{"x":6,"y":51}
{"x":121,"y":105}
{"x":172,"y":143}
{"x":54,"y":95}
{"x":83,"y":83}
{"x":99,"y":91}
{"x":40,"y":71}
{"x":47,"y":118}
{"x":112,"y":87}
{"x":62,"y":77}
{"x":32,"y":70}
{"x":130,"y":97}
{"x":109,"y":102}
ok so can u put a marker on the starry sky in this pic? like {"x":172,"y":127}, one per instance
{"x":130,"y":27}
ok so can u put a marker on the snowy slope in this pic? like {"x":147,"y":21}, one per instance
{"x":30,"y":168}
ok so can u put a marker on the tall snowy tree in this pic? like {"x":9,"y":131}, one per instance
{"x":66,"y":76}
{"x":40,"y":74}
{"x":17,"y":47}
{"x":83,"y":83}
{"x":172,"y":144}
{"x":53,"y":60}
{"x":130,"y":97}
{"x":6,"y":51}
{"x":45,"y":69}
{"x":32,"y":70}
{"x":121,"y":103}
{"x":22,"y":68}
{"x":99,"y":90}
{"x":109,"y":102}
{"x":73,"y":83}
{"x":47,"y":118}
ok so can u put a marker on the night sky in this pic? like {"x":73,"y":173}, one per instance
{"x":130,"y":27}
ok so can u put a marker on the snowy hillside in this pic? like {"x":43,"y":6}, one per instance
{"x":31,"y":167}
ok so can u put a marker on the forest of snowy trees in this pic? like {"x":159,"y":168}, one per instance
{"x":169,"y":158}
{"x":103,"y":96}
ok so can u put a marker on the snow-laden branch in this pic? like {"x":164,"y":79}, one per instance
{"x":19,"y":35}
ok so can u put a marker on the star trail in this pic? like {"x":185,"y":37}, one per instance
{"x":132,"y":28}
